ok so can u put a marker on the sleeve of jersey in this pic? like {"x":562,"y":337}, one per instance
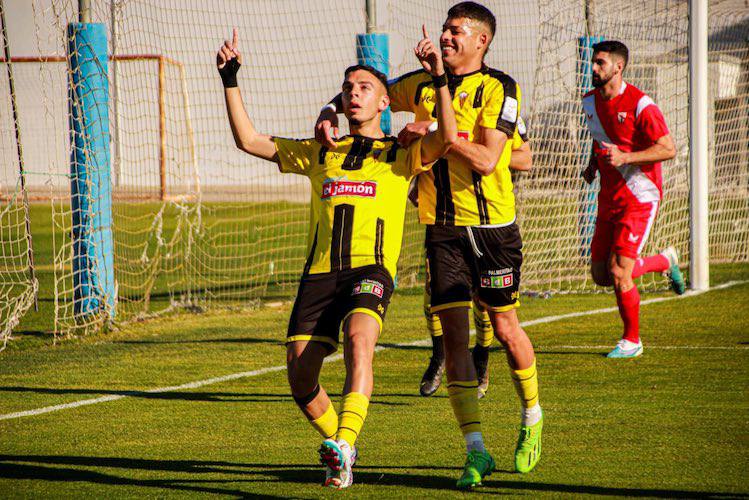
{"x":652,"y":123}
{"x":413,"y":158}
{"x":400,"y":91}
{"x":520,"y":136}
{"x":502,"y":108}
{"x":294,"y":156}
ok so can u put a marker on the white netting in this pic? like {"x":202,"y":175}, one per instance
{"x":17,"y":283}
{"x":198,"y":223}
{"x":729,"y":128}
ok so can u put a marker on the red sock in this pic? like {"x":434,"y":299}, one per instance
{"x":654,"y":264}
{"x":629,"y":310}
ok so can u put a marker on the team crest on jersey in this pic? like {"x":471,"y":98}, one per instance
{"x":376,"y":154}
{"x":622,"y":115}
{"x":464,"y":134}
{"x":369,"y":286}
{"x":463,"y":96}
{"x":343,"y":187}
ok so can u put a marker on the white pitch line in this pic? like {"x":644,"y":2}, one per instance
{"x":662,"y":347}
{"x":337,"y":357}
{"x":549,"y":319}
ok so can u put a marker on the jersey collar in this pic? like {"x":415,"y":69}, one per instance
{"x":458,"y":79}
{"x":364,"y":138}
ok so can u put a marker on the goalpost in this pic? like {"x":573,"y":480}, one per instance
{"x":197,"y":224}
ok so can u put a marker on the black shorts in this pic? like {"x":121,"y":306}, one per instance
{"x":325,"y":300}
{"x":484,"y":261}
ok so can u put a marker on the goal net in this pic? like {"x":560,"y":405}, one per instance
{"x":198,"y":224}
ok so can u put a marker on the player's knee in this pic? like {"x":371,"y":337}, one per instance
{"x":293,"y":366}
{"x":603,"y":279}
{"x":600,"y":275}
{"x":618,"y":273}
{"x":302,"y":376}
{"x":301,"y":382}
{"x":506,"y":328}
{"x":359,"y":343}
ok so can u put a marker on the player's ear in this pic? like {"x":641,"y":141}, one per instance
{"x":384,"y":103}
{"x":483,"y":40}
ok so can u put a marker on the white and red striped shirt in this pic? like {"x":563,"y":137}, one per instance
{"x":633,"y":122}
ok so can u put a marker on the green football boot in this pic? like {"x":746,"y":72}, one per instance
{"x":675,"y":278}
{"x":528,"y":450}
{"x":479,"y":464}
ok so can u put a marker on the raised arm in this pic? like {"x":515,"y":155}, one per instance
{"x":437,"y":144}
{"x":228,"y":62}
{"x":326,"y":127}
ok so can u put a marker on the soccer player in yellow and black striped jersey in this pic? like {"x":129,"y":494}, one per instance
{"x":520,"y":161}
{"x":472,"y":240}
{"x":358,"y":206}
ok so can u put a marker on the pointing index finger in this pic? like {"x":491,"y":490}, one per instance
{"x":234,"y":38}
{"x":424,"y":30}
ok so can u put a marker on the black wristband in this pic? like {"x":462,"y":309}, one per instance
{"x":229,"y":73}
{"x":439,"y":81}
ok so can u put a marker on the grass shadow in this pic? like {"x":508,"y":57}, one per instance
{"x":62,"y":469}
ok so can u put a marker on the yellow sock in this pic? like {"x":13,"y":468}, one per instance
{"x":433,"y":320}
{"x":434,"y":326}
{"x":353,"y":412}
{"x":327,"y":424}
{"x":483,"y":325}
{"x":465,"y":403}
{"x":526,"y":384}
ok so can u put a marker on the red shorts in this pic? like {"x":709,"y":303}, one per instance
{"x":623,"y":232}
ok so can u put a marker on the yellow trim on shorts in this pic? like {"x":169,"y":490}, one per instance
{"x":449,"y":305}
{"x":315,"y":338}
{"x":501,"y":309}
{"x":366,"y":311}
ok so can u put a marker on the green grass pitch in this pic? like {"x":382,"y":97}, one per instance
{"x":670,"y":424}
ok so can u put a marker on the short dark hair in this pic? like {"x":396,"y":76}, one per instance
{"x":613,"y":47}
{"x":475,"y":11}
{"x":369,"y":69}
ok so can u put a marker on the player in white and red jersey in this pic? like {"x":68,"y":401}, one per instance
{"x":630,"y":140}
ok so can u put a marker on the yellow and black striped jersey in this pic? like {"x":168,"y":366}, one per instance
{"x":452,"y":193}
{"x":358,"y":199}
